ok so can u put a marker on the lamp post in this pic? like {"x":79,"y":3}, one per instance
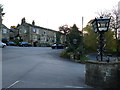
{"x":101,"y":26}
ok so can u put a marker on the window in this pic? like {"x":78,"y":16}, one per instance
{"x":34,"y":30}
{"x":55,"y":35}
{"x":35,"y":38}
{"x":42,"y":39}
{"x":25,"y":31}
{"x":44,"y":32}
{"x":37,"y":31}
{"x":20,"y":31}
{"x":4,"y":30}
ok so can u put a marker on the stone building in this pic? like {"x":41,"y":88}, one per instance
{"x":36,"y":35}
{"x":5,"y":33}
{"x":1,"y":14}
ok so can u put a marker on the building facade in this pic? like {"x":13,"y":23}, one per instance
{"x":1,"y":22}
{"x":5,"y":34}
{"x":36,"y":35}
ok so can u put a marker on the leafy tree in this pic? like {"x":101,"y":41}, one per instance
{"x":114,"y":23}
{"x":65,"y":30}
{"x":74,"y":38}
{"x":91,"y":39}
{"x":75,"y":34}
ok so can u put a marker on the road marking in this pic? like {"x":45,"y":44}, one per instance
{"x":13,"y":84}
{"x":73,"y":87}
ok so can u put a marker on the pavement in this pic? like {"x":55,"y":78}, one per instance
{"x":92,"y":56}
{"x":40,"y":67}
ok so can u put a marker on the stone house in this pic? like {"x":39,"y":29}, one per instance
{"x":36,"y":35}
{"x":5,"y":33}
{"x":1,"y":14}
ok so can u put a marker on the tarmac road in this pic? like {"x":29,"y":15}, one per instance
{"x":40,"y":67}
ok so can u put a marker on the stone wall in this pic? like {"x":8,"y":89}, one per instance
{"x":102,"y":74}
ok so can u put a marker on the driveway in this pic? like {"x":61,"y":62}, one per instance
{"x":40,"y":67}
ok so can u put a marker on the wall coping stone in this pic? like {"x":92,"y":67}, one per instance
{"x":102,"y":62}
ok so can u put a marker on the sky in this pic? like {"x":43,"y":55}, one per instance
{"x":54,"y":13}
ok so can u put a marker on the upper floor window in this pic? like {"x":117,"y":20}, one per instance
{"x":37,"y":31}
{"x":20,"y":31}
{"x":44,"y":32}
{"x":34,"y":30}
{"x":25,"y":31}
{"x":4,"y":30}
{"x":54,"y":34}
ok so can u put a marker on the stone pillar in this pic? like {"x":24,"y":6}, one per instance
{"x":102,"y":74}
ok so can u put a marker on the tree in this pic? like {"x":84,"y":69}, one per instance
{"x":74,"y":38}
{"x":65,"y":30}
{"x":114,"y":23}
{"x":110,"y":41}
{"x":91,"y":39}
{"x":75,"y":34}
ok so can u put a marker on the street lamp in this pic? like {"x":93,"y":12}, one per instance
{"x":100,"y":26}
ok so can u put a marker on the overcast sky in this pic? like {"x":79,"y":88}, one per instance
{"x":53,"y":13}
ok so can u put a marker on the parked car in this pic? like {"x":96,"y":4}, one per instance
{"x":57,"y":46}
{"x":2,"y":45}
{"x":11,"y":44}
{"x":24,"y":44}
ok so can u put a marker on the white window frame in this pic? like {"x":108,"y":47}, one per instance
{"x":37,"y":31}
{"x":35,"y":38}
{"x":4,"y":30}
{"x":34,"y":30}
{"x":25,"y":31}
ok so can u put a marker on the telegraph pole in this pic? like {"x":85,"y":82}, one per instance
{"x":82,"y":26}
{"x":82,"y":34}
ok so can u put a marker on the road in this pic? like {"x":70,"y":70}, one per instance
{"x":40,"y":67}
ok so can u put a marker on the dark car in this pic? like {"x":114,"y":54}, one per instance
{"x":24,"y":44}
{"x":11,"y":44}
{"x":57,"y":46}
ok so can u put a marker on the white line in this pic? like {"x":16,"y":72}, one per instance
{"x":73,"y":87}
{"x":13,"y":84}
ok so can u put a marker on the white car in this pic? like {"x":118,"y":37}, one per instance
{"x":2,"y":45}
